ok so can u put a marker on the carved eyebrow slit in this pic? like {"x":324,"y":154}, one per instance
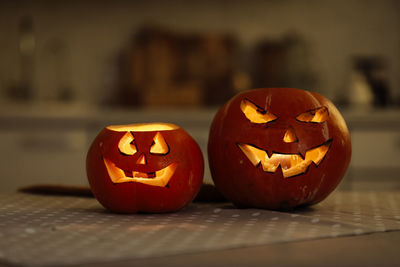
{"x":317,"y":115}
{"x":255,"y":114}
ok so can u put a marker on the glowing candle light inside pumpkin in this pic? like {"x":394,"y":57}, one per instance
{"x":278,"y":148}
{"x":149,"y":167}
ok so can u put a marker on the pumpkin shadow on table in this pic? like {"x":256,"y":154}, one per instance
{"x":300,"y":209}
{"x":209,"y":194}
{"x":103,"y":211}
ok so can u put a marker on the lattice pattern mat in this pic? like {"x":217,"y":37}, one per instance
{"x":44,"y":230}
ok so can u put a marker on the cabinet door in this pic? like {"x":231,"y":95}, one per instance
{"x":38,"y":156}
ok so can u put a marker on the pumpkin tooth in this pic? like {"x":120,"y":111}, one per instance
{"x":297,"y":169}
{"x":269,"y":153}
{"x":255,"y":155}
{"x":281,"y":159}
{"x":317,"y":154}
{"x":269,"y":166}
{"x":139,"y":174}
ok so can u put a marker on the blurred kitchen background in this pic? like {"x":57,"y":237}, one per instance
{"x":69,"y":68}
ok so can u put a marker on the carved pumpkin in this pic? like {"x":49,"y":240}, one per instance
{"x":278,"y":148}
{"x":155,"y":167}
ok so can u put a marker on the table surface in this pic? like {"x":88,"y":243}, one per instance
{"x":348,"y":228}
{"x":376,"y":249}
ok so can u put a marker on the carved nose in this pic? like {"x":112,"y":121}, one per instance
{"x":142,"y":159}
{"x":290,"y":136}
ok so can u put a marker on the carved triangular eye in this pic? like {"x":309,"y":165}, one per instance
{"x":317,"y":115}
{"x":127,"y":144}
{"x":159,"y":145}
{"x":254,"y":113}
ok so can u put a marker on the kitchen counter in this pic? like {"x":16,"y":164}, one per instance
{"x":359,"y":228}
{"x":12,"y":115}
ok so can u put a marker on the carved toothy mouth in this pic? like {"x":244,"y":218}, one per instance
{"x":291,"y":164}
{"x":155,"y":178}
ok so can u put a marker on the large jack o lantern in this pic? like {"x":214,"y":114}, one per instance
{"x":153,"y":167}
{"x":278,"y":148}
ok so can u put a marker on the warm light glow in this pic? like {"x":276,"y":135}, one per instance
{"x":290,"y":136}
{"x":317,"y":154}
{"x":142,"y":159}
{"x":254,"y":113}
{"x":159,"y":145}
{"x":317,"y":115}
{"x":291,"y":164}
{"x":156,"y":178}
{"x":143,"y":127}
{"x":126,"y":145}
{"x":255,"y":155}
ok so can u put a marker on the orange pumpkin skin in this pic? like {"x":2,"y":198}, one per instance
{"x":131,"y":196}
{"x":249,"y":185}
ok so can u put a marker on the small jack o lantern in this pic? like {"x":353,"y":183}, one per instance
{"x":278,"y":148}
{"x":153,"y":167}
